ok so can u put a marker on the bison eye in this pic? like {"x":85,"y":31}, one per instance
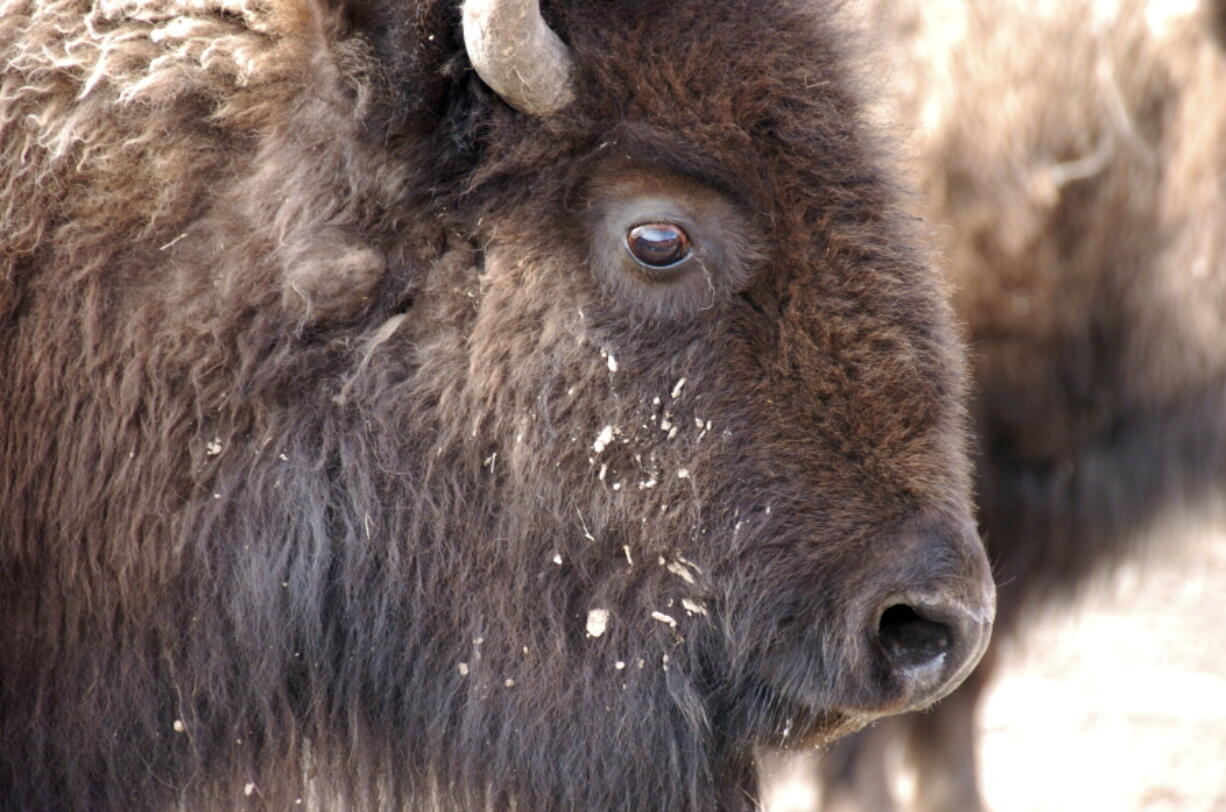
{"x":658,"y":245}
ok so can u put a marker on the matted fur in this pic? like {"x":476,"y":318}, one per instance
{"x":303,"y":380}
{"x":1075,"y":153}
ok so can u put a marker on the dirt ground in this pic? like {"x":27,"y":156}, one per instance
{"x":1118,"y":705}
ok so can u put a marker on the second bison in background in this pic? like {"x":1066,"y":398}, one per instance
{"x":1075,"y":156}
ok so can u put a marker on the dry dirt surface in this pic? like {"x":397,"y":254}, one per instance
{"x":1117,"y":704}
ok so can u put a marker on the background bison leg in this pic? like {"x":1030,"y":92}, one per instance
{"x":855,"y":772}
{"x":941,"y":747}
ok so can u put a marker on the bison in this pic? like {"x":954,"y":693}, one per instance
{"x":1076,"y":153}
{"x":408,"y":405}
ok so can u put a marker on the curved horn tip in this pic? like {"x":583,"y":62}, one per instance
{"x":518,"y":55}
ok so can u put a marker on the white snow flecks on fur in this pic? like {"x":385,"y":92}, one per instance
{"x":626,"y":550}
{"x":693,"y":607}
{"x":179,"y":727}
{"x":689,"y":563}
{"x":683,"y":473}
{"x":663,"y":618}
{"x":213,"y":447}
{"x":677,"y":387}
{"x":603,"y":439}
{"x":612,"y":363}
{"x":248,"y":789}
{"x":171,"y":244}
{"x":557,"y":559}
{"x":463,"y":669}
{"x":597,"y":622}
{"x":619,"y":665}
{"x":586,"y":532}
{"x":678,"y":569}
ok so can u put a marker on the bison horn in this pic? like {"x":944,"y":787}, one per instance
{"x":517,"y":55}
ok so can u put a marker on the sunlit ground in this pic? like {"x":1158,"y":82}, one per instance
{"x":1118,"y":705}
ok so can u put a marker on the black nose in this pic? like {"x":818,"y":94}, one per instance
{"x":929,"y":645}
{"x":910,"y":639}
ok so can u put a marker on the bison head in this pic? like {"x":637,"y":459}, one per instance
{"x":717,"y":374}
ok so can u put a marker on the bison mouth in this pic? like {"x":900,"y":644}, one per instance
{"x":767,"y":716}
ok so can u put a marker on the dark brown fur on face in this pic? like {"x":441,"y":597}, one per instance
{"x":1077,"y":156}
{"x":331,"y":469}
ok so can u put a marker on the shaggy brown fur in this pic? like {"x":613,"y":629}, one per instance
{"x":304,"y":375}
{"x":1077,"y":153}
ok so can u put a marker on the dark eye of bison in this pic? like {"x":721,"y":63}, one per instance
{"x":658,"y":245}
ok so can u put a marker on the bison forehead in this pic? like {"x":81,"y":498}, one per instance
{"x":777,"y":111}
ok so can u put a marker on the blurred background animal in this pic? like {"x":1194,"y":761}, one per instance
{"x":1072,"y":156}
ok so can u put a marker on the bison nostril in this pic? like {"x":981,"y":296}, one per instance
{"x":910,"y":639}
